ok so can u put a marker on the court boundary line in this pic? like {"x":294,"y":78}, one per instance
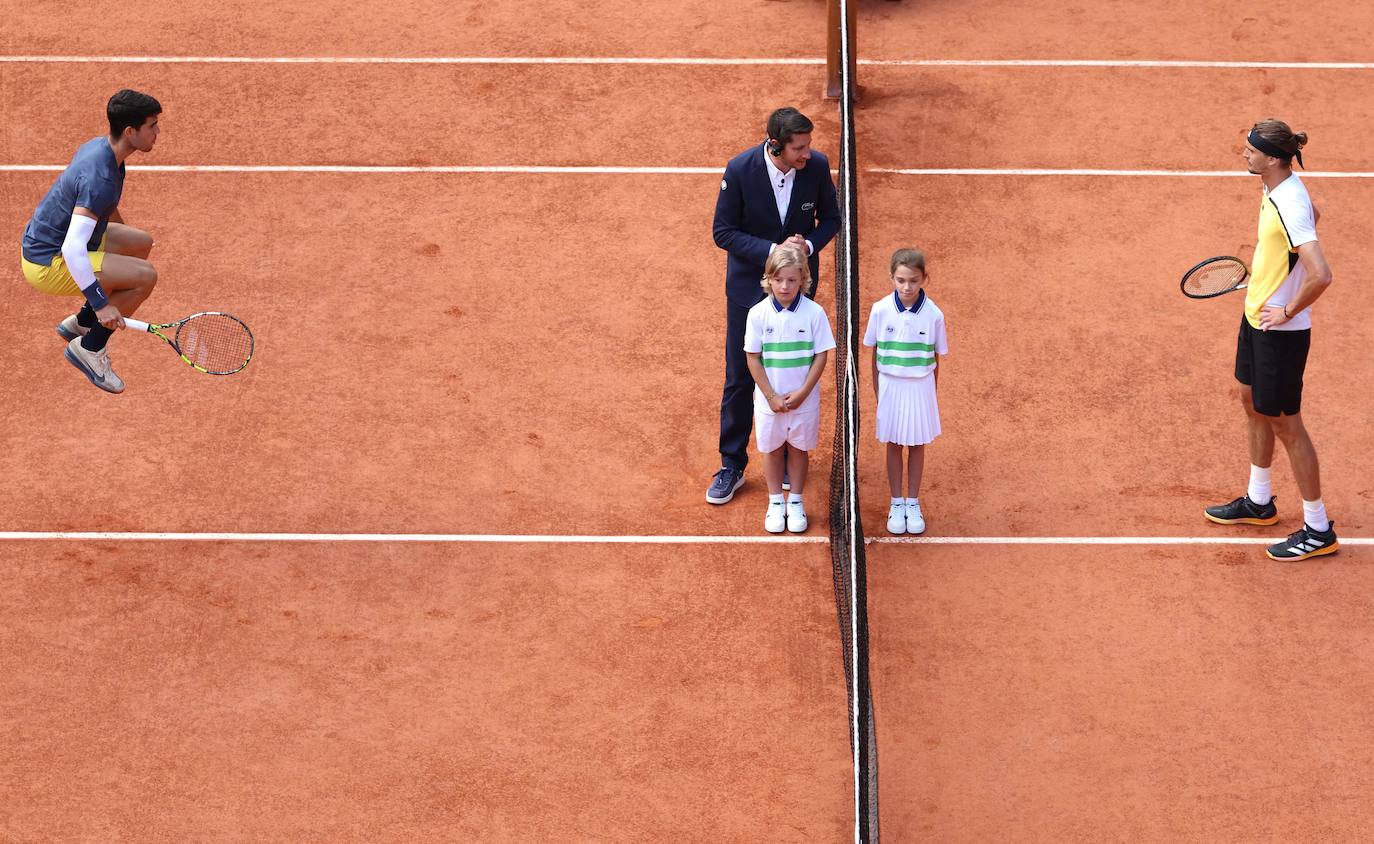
{"x":477,"y":169}
{"x":417,"y":60}
{"x":690,"y":61}
{"x":616,"y":539}
{"x":1058,"y":171}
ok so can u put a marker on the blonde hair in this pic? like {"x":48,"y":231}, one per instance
{"x":913,"y":259}
{"x":782,"y":258}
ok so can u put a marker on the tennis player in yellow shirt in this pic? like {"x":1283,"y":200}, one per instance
{"x":1288,"y":274}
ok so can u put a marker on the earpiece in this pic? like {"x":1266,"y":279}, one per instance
{"x":774,"y":148}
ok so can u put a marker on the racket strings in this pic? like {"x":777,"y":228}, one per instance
{"x":1214,"y":278}
{"x":218,"y":343}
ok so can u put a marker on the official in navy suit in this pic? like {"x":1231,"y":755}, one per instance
{"x":777,"y":192}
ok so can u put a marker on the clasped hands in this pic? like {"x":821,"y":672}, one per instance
{"x":783,"y":402}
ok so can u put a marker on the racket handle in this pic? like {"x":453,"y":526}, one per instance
{"x":137,"y":325}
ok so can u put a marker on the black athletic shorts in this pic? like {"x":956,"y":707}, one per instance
{"x":1272,"y":363}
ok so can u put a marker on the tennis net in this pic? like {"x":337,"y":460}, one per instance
{"x":848,"y":564}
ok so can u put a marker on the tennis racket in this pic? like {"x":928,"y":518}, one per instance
{"x":1214,"y":277}
{"x":211,"y":342}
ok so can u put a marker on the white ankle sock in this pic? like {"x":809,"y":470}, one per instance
{"x":1314,"y":515}
{"x":913,"y":501}
{"x":898,"y":502}
{"x":774,"y":499}
{"x":1260,"y":488}
{"x":795,"y":498}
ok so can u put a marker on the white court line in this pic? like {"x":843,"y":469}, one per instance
{"x":1087,"y":540}
{"x":680,"y":60}
{"x":382,"y":168}
{"x":1126,"y":63}
{"x":407,"y":60}
{"x":136,"y":536}
{"x":1188,"y":174}
{"x":555,"y":539}
{"x":659,"y":171}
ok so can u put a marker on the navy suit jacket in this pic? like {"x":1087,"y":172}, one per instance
{"x":747,"y":224}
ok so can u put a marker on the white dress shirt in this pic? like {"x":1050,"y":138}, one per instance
{"x":782,"y":185}
{"x":782,"y":191}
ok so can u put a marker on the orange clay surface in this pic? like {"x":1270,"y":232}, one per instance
{"x":249,"y":692}
{"x":1123,"y":694}
{"x":511,"y":354}
{"x":1331,"y":30}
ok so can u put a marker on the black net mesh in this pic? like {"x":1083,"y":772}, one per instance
{"x":846,"y":530}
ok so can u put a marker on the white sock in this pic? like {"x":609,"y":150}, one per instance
{"x":795,"y":499}
{"x":898,"y":502}
{"x":774,"y":499}
{"x":913,"y":501}
{"x":1260,"y":488}
{"x":1314,"y":514}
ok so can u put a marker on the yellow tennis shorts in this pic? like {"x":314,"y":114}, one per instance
{"x":55,"y":278}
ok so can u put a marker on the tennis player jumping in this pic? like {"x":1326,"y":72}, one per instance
{"x":1287,"y":275}
{"x":76,"y":243}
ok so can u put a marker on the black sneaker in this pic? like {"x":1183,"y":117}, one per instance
{"x":724,"y":484}
{"x":1305,"y":543}
{"x":1243,"y":511}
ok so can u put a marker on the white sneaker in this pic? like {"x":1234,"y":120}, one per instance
{"x":94,"y":365}
{"x":896,"y":519}
{"x":70,"y":329}
{"x":915,"y":522}
{"x":776,"y":519}
{"x":796,"y":517}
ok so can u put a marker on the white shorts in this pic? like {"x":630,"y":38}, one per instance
{"x":798,"y":428}
{"x":908,"y":413}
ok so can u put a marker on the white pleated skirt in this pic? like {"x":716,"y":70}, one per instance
{"x":908,"y":413}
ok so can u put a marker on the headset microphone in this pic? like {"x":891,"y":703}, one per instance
{"x":774,"y":148}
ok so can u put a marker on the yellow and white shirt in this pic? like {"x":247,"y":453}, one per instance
{"x":907,"y":339}
{"x":788,"y":339}
{"x":1286,"y":221}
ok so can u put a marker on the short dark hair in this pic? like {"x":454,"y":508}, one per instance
{"x":130,"y":109}
{"x":786,"y":122}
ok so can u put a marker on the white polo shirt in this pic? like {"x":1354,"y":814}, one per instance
{"x":907,"y":339}
{"x":789,"y":339}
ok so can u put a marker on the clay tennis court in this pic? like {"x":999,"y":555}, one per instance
{"x":436,"y":566}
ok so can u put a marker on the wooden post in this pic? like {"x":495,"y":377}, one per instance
{"x":832,"y":49}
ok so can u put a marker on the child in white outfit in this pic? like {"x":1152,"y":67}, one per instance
{"x":787,"y":340}
{"x":907,"y":332}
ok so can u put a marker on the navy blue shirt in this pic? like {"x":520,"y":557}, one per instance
{"x":93,"y":180}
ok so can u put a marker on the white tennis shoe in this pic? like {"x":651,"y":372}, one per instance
{"x":94,"y":365}
{"x":776,"y":519}
{"x":915,"y":522}
{"x":896,"y":519}
{"x":796,"y":517}
{"x":70,"y":329}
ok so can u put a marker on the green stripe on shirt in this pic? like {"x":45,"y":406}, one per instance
{"x":789,"y":346}
{"x":889,"y":360}
{"x":898,"y":346}
{"x":786,"y":363}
